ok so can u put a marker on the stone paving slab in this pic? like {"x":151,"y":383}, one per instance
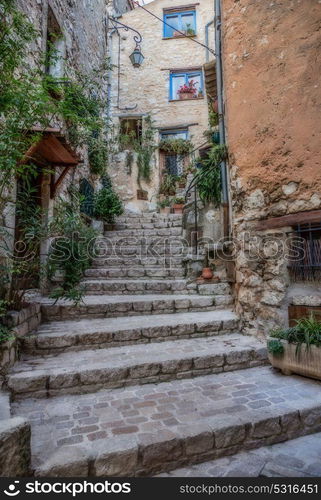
{"x":59,"y":336}
{"x":105,"y":306}
{"x":90,"y":370}
{"x":155,"y":428}
{"x":299,"y":457}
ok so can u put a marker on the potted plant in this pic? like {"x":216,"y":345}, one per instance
{"x":178,"y":205}
{"x":189,"y":30}
{"x":165,"y":206}
{"x":107,"y":205}
{"x":200,"y":94}
{"x":297,"y":349}
{"x":182,"y":182}
{"x":187,"y":91}
{"x":168,"y":185}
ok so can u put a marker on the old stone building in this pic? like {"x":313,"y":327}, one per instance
{"x":150,"y":369}
{"x":151,"y":90}
{"x":271,"y":58}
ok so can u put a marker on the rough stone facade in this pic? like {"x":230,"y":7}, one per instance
{"x":145,"y":90}
{"x":14,"y":447}
{"x":273,"y":140}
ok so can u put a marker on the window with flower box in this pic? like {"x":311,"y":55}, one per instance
{"x":186,"y":85}
{"x":179,"y":23}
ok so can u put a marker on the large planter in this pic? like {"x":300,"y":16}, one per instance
{"x":178,"y":208}
{"x":305,"y":362}
{"x":165,"y":210}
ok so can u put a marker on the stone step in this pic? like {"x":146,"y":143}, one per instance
{"x":148,"y":217}
{"x":146,"y":224}
{"x":4,"y":405}
{"x":138,"y":262}
{"x":136,"y":233}
{"x":105,"y":248}
{"x":92,"y":370}
{"x":139,"y":286}
{"x":140,"y":431}
{"x":294,"y":458}
{"x":109,"y":306}
{"x":61,"y":336}
{"x":135,"y":272}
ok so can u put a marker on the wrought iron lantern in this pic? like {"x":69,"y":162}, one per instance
{"x":137,"y":57}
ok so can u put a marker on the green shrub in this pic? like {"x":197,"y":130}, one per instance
{"x":275,"y":347}
{"x":306,"y":331}
{"x":72,"y":248}
{"x":107,"y":205}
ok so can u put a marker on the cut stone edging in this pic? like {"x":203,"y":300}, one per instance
{"x":14,"y":447}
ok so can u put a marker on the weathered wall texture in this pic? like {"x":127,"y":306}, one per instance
{"x":148,"y":86}
{"x":14,"y":448}
{"x":272,"y":62}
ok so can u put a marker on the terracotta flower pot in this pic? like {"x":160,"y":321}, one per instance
{"x":178,"y":208}
{"x":185,"y":95}
{"x":165,"y":210}
{"x":207,"y":273}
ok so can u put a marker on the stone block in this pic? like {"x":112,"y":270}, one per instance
{"x":14,"y":447}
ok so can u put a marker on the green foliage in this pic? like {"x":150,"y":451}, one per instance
{"x":306,"y":331}
{"x":72,"y":249}
{"x":179,"y":201}
{"x":19,"y":269}
{"x":275,"y":347}
{"x":164,"y":203}
{"x":145,"y":149}
{"x":176,"y":146}
{"x":107,"y":205}
{"x":28,"y":98}
{"x":213,"y":118}
{"x":168,"y":185}
{"x":144,"y":146}
{"x":209,"y":175}
{"x":5,"y":332}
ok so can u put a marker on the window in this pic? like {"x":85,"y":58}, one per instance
{"x":173,"y":163}
{"x":55,"y":47}
{"x":305,"y":253}
{"x":174,"y":134}
{"x":177,"y":80}
{"x":184,"y":21}
{"x":130,"y":132}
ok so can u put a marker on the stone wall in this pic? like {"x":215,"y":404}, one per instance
{"x":272,"y":58}
{"x":22,"y":323}
{"x":14,"y":448}
{"x":145,"y":90}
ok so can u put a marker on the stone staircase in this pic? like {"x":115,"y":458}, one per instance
{"x":150,"y":372}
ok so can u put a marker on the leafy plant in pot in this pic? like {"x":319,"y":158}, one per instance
{"x":178,"y":205}
{"x":297,"y":349}
{"x":187,"y":91}
{"x":165,"y":206}
{"x":107,"y":206}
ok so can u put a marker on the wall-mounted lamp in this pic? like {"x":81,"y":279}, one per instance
{"x":136,"y":57}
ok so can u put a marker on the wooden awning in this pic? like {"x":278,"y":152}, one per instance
{"x":53,"y":150}
{"x":308,"y":217}
{"x":210,"y":79}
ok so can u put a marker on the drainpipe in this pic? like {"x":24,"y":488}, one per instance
{"x":207,"y":38}
{"x":219,"y":78}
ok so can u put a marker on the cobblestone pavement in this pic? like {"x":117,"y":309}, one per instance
{"x":296,"y":458}
{"x":86,"y":419}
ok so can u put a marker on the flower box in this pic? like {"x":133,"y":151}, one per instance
{"x":306,"y":362}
